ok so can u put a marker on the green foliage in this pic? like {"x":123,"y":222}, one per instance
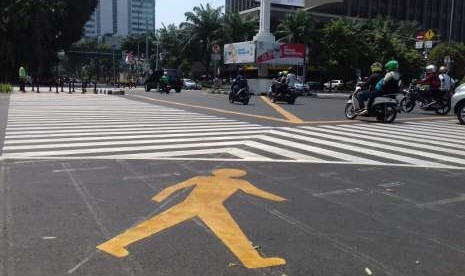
{"x":5,"y":88}
{"x":237,"y":28}
{"x":457,"y":53}
{"x":297,"y":28}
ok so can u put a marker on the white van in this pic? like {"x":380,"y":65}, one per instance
{"x":458,"y":103}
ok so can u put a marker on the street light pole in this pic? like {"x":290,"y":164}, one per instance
{"x":451,"y":20}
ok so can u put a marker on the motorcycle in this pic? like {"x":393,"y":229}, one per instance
{"x":165,"y":89}
{"x":285,"y":95}
{"x":416,"y":95}
{"x":385,"y":108}
{"x":242,"y":96}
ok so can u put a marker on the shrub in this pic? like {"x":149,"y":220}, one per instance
{"x":5,"y":88}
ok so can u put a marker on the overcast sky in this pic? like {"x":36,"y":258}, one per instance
{"x":172,"y":11}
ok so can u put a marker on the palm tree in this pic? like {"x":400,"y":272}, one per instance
{"x":237,"y":29}
{"x":204,"y":24}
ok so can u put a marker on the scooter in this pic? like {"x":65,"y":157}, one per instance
{"x":165,"y":89}
{"x":384,"y":109}
{"x":283,"y":95}
{"x":415,"y":95}
{"x":243,"y":96}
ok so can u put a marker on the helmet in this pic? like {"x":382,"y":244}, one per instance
{"x":443,"y":69}
{"x":281,"y":73}
{"x":392,"y":65}
{"x":165,"y":73}
{"x":285,"y":73}
{"x":431,"y":68}
{"x":376,"y":67}
{"x":240,"y":70}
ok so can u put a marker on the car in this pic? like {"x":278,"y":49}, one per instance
{"x":301,"y":88}
{"x":174,"y":77}
{"x":333,"y":84}
{"x":191,"y":85}
{"x":315,"y":86}
{"x":458,"y":103}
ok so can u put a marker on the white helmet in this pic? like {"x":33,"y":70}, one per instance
{"x":443,"y":69}
{"x":431,"y":68}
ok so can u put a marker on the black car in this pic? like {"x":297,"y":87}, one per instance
{"x":174,"y":76}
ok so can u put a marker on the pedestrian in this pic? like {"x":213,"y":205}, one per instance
{"x":22,"y":79}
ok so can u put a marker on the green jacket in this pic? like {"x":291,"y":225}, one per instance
{"x":165,"y":80}
{"x":22,"y":73}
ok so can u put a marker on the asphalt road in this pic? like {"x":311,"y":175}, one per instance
{"x":384,"y":211}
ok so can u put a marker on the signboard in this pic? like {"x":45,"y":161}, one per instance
{"x":419,"y":45}
{"x":216,"y":57}
{"x":274,"y":53}
{"x":420,"y":36}
{"x":242,"y":52}
{"x":428,"y":44}
{"x":216,"y":48}
{"x":295,"y":3}
{"x":429,"y":35}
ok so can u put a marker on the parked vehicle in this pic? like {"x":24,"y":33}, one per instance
{"x":301,"y":88}
{"x":152,"y":82}
{"x":333,"y":84}
{"x":315,"y":86}
{"x":458,"y":103}
{"x":189,"y":84}
{"x":415,"y":96}
{"x":384,"y":108}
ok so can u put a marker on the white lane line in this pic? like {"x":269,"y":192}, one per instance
{"x":173,"y":138}
{"x":281,"y":151}
{"x":402,"y":150}
{"x":18,"y":139}
{"x":391,"y":141}
{"x":362,"y":150}
{"x":130,"y":127}
{"x":317,"y":150}
{"x":397,"y":137}
{"x":443,"y":128}
{"x":415,"y":129}
{"x":460,"y":198}
{"x":190,"y":132}
{"x":12,"y":129}
{"x":408,"y":133}
{"x":115,"y":151}
{"x":106,"y":118}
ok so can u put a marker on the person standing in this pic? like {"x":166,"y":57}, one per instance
{"x":22,"y":79}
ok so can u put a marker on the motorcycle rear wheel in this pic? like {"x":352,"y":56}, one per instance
{"x":389,"y":114}
{"x":444,"y":108}
{"x":407,"y":104}
{"x":350,"y":111}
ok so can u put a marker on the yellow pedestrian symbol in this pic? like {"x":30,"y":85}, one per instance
{"x":206,"y":203}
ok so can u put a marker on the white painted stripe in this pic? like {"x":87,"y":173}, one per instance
{"x":318,"y":151}
{"x":362,"y":150}
{"x":281,"y":151}
{"x":127,"y":127}
{"x":159,"y":130}
{"x":401,"y":134}
{"x":409,"y":131}
{"x":402,"y":150}
{"x":399,"y":138}
{"x":456,"y":129}
{"x":457,"y":151}
{"x":132,"y":141}
{"x":114,"y":151}
{"x":423,"y":129}
{"x":102,"y":118}
{"x":105,"y":123}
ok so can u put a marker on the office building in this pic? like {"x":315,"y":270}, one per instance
{"x":121,"y":18}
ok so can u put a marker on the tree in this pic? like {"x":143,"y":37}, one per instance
{"x":32,"y":31}
{"x":204,"y":24}
{"x":297,"y":28}
{"x":457,"y":53}
{"x":237,"y":28}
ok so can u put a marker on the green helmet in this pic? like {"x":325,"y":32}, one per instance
{"x":392,"y":65}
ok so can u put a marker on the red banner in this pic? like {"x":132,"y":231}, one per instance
{"x":292,"y":50}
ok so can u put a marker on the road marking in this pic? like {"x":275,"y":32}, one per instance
{"x":288,"y":115}
{"x":205,"y":202}
{"x":460,"y":198}
{"x":212,"y":109}
{"x":339,"y":192}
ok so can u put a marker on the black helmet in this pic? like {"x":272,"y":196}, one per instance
{"x":240,"y":70}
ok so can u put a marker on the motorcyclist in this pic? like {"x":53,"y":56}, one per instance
{"x":432,"y":81}
{"x":369,"y":85}
{"x":447,"y":83}
{"x":277,"y":82}
{"x":164,"y":80}
{"x":291,"y":79}
{"x":387,"y":85}
{"x":239,"y":82}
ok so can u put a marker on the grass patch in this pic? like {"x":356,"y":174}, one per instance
{"x":5,"y":88}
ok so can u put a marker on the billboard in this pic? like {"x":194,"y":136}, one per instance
{"x":274,"y":53}
{"x":295,"y":3}
{"x":242,"y":52}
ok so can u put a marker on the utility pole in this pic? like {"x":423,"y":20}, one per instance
{"x":451,"y":20}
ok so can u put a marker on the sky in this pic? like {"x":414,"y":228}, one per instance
{"x":172,"y":11}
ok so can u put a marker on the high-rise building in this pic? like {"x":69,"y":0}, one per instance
{"x":121,"y":18}
{"x":430,"y":14}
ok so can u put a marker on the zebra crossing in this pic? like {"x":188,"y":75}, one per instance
{"x":47,"y":126}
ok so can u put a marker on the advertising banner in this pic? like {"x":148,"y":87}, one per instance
{"x":274,"y":53}
{"x":295,"y":3}
{"x":242,"y":52}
